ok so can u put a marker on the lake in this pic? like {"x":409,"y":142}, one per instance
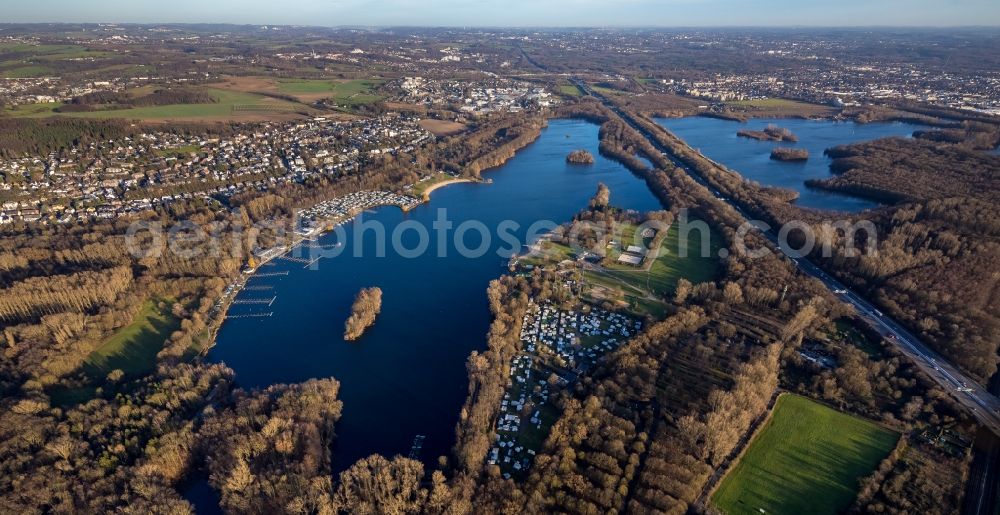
{"x":406,"y":376}
{"x":717,"y":139}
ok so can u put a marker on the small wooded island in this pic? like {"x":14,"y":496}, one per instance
{"x":789,"y":154}
{"x":580,"y":157}
{"x":770,"y":133}
{"x":367,"y":306}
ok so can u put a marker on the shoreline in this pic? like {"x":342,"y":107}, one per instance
{"x":298,"y":240}
{"x":227,"y":301}
{"x":426,"y":195}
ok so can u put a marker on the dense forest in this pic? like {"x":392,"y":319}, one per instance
{"x":931,"y":269}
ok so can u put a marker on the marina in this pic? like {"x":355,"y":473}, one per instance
{"x":406,"y":376}
{"x":265,"y":302}
{"x":250,"y":315}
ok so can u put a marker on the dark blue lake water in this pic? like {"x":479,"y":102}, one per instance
{"x":406,"y":376}
{"x":717,"y":139}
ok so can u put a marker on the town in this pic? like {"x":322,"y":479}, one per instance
{"x":117,"y":178}
{"x":478,"y":97}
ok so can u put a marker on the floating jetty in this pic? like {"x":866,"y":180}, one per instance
{"x":418,"y":445}
{"x":294,"y":259}
{"x":267,"y":302}
{"x":250,"y":315}
{"x":269,"y":274}
{"x":316,"y":246}
{"x":259,"y":287}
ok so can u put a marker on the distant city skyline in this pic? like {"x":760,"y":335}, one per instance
{"x":518,"y":13}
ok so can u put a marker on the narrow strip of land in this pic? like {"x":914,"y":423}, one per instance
{"x":983,"y":405}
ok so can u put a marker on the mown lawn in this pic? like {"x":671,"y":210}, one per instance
{"x":134,"y":347}
{"x":808,"y":458}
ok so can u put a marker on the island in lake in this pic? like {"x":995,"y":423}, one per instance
{"x":789,"y":154}
{"x":367,"y":306}
{"x":580,"y":157}
{"x":770,"y":133}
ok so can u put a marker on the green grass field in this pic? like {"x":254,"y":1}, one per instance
{"x":781,"y":106}
{"x":352,"y":92}
{"x":570,"y":89}
{"x":768,"y":102}
{"x":301,"y":86}
{"x":31,"y":110}
{"x":807,"y":459}
{"x":606,"y":91}
{"x":25,"y":52}
{"x":26,"y":71}
{"x":647,"y":291}
{"x":229,"y":103}
{"x":669,"y":267}
{"x":134,"y":347}
{"x":357,"y":92}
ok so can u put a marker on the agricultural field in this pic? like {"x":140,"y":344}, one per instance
{"x":442,"y":127}
{"x":349,"y":93}
{"x":50,"y":52}
{"x":20,"y":60}
{"x":229,"y":105}
{"x":26,"y":71}
{"x":303,"y":90}
{"x":357,"y":92}
{"x":134,"y":347}
{"x":779,"y":108}
{"x":808,"y":458}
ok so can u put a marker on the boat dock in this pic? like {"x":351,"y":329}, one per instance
{"x":267,"y":302}
{"x":316,"y":246}
{"x":418,"y":445}
{"x":294,"y":259}
{"x":259,"y":287}
{"x":269,"y":274}
{"x":250,"y":315}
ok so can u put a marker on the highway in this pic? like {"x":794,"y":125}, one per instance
{"x":981,"y":404}
{"x":982,"y":486}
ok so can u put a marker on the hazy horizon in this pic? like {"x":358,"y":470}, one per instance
{"x":522,"y":13}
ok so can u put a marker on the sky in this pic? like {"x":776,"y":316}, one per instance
{"x":522,"y":13}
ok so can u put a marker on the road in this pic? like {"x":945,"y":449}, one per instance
{"x":982,"y":487}
{"x":980,"y":403}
